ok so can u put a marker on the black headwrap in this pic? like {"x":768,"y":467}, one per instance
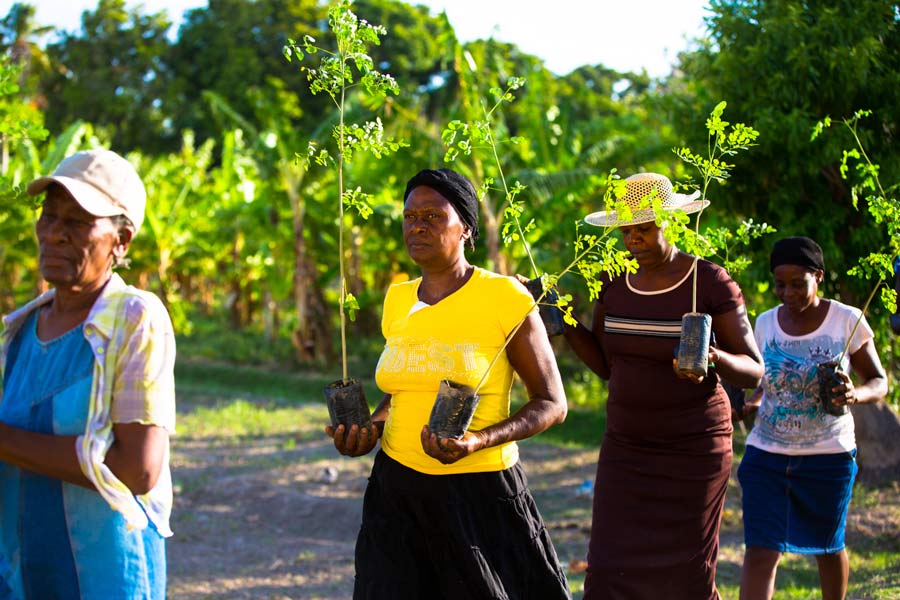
{"x":458,"y":190}
{"x":800,"y":251}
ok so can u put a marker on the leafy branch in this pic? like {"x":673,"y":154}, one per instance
{"x":595,"y":256}
{"x":723,"y":140}
{"x":461,"y":137}
{"x":19,"y":120}
{"x":882,"y":204}
{"x":339,"y":71}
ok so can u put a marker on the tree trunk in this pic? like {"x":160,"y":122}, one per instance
{"x":367,"y":322}
{"x":4,"y":155}
{"x":877,"y":432}
{"x":162,"y":273}
{"x":270,"y":316}
{"x":310,"y":339}
{"x":491,"y":228}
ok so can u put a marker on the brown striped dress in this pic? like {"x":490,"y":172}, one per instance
{"x":666,"y":455}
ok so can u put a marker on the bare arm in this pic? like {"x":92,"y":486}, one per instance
{"x":736,"y":357}
{"x":587,"y":343}
{"x":137,"y":454}
{"x":360,"y":441}
{"x":752,"y":404}
{"x":135,"y":457}
{"x":532,"y":358}
{"x":866,"y":365}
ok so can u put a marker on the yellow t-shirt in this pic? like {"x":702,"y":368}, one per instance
{"x":454,"y":339}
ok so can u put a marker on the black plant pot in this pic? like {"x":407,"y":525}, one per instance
{"x":693,"y":349}
{"x":550,"y":313}
{"x":453,"y":410}
{"x":828,"y":377}
{"x":347,"y":406}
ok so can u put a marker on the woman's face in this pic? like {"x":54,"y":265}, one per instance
{"x":433,"y":232}
{"x":645,"y":242}
{"x":76,"y":248}
{"x":796,"y":286}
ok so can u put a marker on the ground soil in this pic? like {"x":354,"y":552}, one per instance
{"x":262,"y":518}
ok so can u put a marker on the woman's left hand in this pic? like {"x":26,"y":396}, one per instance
{"x":712,"y":358}
{"x":450,"y":450}
{"x":844,"y":394}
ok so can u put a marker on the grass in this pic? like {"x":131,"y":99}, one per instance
{"x":238,"y":410}
{"x":274,"y":388}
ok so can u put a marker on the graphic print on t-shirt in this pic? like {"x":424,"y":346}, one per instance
{"x":429,"y":356}
{"x":794,"y":413}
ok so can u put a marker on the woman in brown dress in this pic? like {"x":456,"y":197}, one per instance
{"x":665,"y":458}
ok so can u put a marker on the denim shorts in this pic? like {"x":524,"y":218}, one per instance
{"x":796,"y":503}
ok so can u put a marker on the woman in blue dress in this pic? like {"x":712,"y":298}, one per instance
{"x":87,"y":402}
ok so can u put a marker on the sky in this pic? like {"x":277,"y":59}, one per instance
{"x":626,"y":35}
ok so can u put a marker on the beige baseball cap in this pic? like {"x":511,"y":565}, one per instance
{"x":102,"y":182}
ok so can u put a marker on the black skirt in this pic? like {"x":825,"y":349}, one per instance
{"x":475,"y":536}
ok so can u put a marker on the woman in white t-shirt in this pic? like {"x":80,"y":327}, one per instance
{"x":800,"y":463}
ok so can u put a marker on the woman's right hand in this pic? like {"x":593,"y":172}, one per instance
{"x":358,"y":441}
{"x":751,"y":404}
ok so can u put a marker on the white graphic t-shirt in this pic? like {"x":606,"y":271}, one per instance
{"x":791,"y":419}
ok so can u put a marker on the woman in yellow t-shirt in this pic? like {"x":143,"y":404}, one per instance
{"x":445,"y":517}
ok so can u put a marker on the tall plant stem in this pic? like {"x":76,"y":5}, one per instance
{"x":534,"y":268}
{"x":697,"y":259}
{"x":862,"y":150}
{"x":706,"y":180}
{"x":341,"y":236}
{"x":519,"y":324}
{"x":862,"y":314}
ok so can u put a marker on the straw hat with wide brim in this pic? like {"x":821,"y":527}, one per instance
{"x":640,"y":187}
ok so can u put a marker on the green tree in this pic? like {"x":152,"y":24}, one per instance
{"x":232,"y":46}
{"x":877,"y":425}
{"x":486,"y":73}
{"x":784,"y":65}
{"x":113,"y":75}
{"x":274,"y":143}
{"x":172,"y":250}
{"x":20,"y":37}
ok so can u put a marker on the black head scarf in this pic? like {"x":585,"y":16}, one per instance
{"x":458,"y":191}
{"x":800,"y":251}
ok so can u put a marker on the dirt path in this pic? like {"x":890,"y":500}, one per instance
{"x":260,"y":518}
{"x":256,"y":521}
